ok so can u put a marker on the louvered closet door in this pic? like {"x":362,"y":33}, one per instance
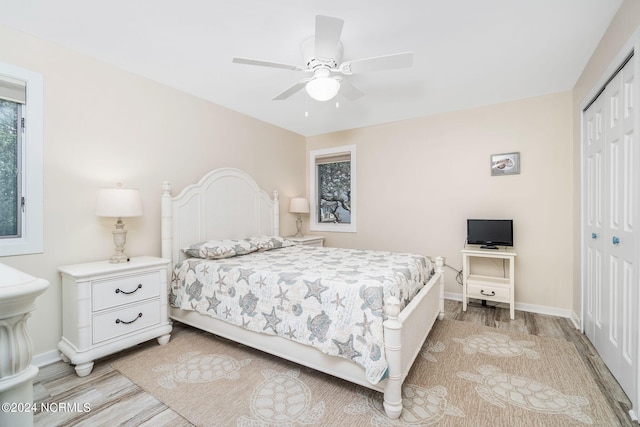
{"x":611,"y":205}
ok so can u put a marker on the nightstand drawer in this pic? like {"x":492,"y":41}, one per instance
{"x":124,"y":290}
{"x":494,"y":293}
{"x":132,"y":318}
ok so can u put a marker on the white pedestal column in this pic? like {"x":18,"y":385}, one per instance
{"x":18,"y":292}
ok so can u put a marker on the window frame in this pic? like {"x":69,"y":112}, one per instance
{"x":31,"y":239}
{"x":314,"y":223}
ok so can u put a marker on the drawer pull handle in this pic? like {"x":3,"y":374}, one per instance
{"x":129,"y":322}
{"x":493,"y":293}
{"x":120,"y":291}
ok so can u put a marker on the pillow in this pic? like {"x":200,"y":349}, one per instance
{"x":218,"y":249}
{"x":266,"y":243}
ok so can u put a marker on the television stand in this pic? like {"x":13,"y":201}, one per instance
{"x":488,"y":287}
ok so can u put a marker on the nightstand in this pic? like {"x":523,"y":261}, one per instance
{"x":109,"y":307}
{"x":489,"y":287}
{"x":308,"y":240}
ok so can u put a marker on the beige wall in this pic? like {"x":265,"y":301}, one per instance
{"x":102,"y":126}
{"x":419,"y":180}
{"x":622,"y":28}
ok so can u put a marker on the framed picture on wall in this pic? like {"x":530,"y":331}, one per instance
{"x":505,"y":164}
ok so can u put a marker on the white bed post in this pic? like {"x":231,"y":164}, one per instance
{"x":276,"y":213}
{"x":440,"y":269}
{"x":166,"y":225}
{"x":393,"y":351}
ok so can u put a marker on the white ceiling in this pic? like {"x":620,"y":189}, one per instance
{"x":467,"y":53}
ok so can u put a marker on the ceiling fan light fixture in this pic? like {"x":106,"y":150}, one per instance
{"x":322,"y":54}
{"x":323,"y":88}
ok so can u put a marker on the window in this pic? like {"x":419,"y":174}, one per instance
{"x":332,"y":180}
{"x":21,"y":168}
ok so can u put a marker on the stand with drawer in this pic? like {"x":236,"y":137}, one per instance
{"x":308,"y":240}
{"x":485,"y":287}
{"x":109,"y":307}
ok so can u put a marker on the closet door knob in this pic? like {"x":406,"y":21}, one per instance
{"x":594,"y":235}
{"x":615,"y":240}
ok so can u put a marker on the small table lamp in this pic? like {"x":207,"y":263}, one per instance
{"x":299,"y":205}
{"x":119,"y":203}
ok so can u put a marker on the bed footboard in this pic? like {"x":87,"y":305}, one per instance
{"x":406,"y":331}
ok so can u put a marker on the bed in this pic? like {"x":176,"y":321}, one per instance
{"x":381,"y":333}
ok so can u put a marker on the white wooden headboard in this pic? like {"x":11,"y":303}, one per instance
{"x":225,"y":204}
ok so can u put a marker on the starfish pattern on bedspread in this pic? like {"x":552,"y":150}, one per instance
{"x":244,"y":274}
{"x":315,"y":289}
{"x":346,"y":349}
{"x":282,"y":296}
{"x":272,"y":320}
{"x":332,"y":299}
{"x":220,"y":282}
{"x":213,"y":302}
{"x":338,"y":301}
{"x":365,"y":325}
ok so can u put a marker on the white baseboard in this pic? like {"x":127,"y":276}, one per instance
{"x":532,"y":308}
{"x":47,"y":358}
{"x":575,"y":319}
{"x":453,"y":297}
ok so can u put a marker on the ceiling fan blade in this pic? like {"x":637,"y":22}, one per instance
{"x":293,"y":89}
{"x":397,"y":60}
{"x":349,"y":91}
{"x":327,"y":38}
{"x":267,"y":64}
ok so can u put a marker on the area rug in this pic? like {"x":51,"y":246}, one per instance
{"x":465,"y":375}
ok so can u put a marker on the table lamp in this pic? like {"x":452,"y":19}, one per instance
{"x":119,"y":203}
{"x":299,"y":205}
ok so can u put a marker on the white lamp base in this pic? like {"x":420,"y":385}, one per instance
{"x":119,"y":240}
{"x":299,"y":227}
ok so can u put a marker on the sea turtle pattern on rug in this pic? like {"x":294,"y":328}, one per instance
{"x":430,"y":347}
{"x":499,"y":345}
{"x":282,"y":400}
{"x":194,"y":367}
{"x":420,"y":407}
{"x":500,"y":388}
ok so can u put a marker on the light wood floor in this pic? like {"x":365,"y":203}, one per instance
{"x":114,"y":400}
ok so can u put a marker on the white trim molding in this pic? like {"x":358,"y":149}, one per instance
{"x":31,"y":240}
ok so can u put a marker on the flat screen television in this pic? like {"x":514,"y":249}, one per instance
{"x":490,"y":233}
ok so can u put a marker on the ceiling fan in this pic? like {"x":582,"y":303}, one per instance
{"x":322,"y":54}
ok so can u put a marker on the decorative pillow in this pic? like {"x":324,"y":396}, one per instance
{"x":266,"y":243}
{"x":218,"y":249}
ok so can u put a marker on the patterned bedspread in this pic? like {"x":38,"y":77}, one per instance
{"x":326,"y":297}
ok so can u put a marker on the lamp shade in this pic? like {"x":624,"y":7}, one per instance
{"x":323,"y":88}
{"x":299,"y":205}
{"x":118,"y":202}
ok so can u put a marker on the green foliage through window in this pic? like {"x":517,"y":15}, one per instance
{"x":9,"y":168}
